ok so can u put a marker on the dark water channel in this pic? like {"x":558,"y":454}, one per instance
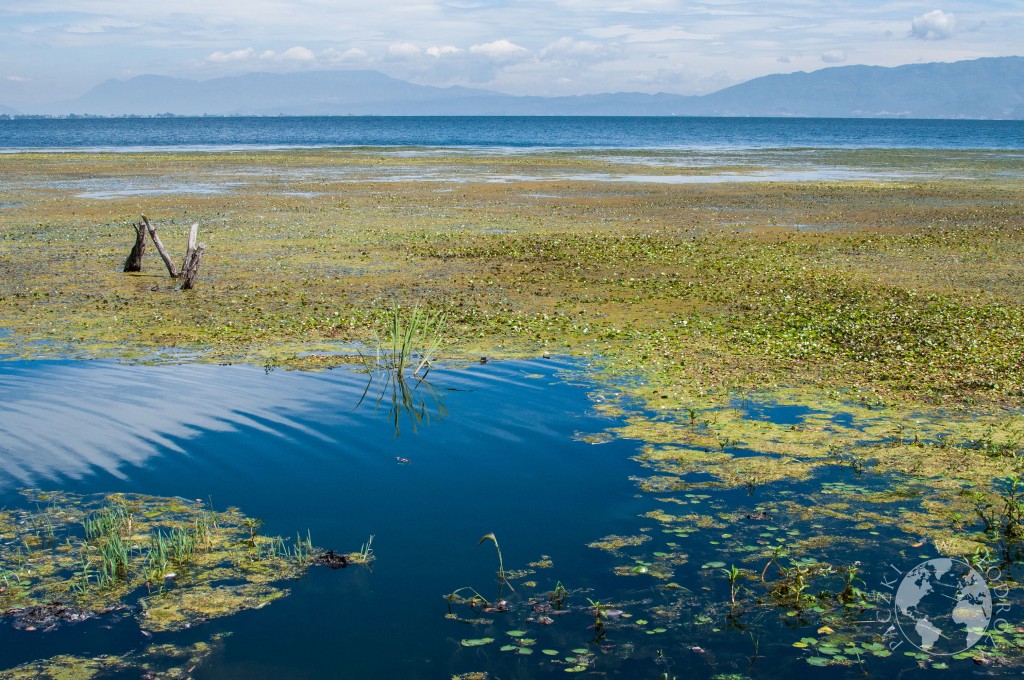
{"x":510,"y":457}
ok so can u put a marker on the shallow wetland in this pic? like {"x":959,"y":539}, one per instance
{"x":709,"y":410}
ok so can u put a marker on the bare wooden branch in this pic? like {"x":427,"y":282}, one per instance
{"x":134,"y":261}
{"x":160,"y":247}
{"x":190,"y":270}
{"x":193,"y":234}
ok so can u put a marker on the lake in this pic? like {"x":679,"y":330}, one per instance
{"x":528,"y":452}
{"x":505,"y":132}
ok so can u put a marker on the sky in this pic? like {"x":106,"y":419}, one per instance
{"x":52,"y":50}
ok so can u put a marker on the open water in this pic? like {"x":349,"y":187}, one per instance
{"x":514,"y":448}
{"x":213,"y":133}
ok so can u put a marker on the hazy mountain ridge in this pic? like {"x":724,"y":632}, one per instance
{"x":982,"y":88}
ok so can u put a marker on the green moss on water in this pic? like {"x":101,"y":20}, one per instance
{"x":50,"y":561}
{"x":164,"y":661}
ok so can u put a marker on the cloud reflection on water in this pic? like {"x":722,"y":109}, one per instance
{"x":66,"y":420}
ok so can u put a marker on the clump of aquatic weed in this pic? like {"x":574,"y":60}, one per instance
{"x":173,"y":547}
{"x":401,"y":362}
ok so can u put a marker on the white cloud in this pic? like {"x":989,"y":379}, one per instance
{"x":578,"y":51}
{"x":554,"y":47}
{"x":632,"y":34}
{"x":298,"y":54}
{"x":17,"y":79}
{"x":833,"y":56}
{"x":403,"y":51}
{"x":934,"y":25}
{"x":442,"y":51}
{"x":334,"y":56}
{"x":227,"y":57}
{"x":101,"y":25}
{"x":503,"y":51}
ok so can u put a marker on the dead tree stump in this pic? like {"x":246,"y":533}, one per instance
{"x":134,"y":261}
{"x":190,"y":270}
{"x":160,"y":248}
{"x":193,"y":254}
{"x":193,"y":233}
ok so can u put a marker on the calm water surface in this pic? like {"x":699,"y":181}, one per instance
{"x":520,"y":132}
{"x":511,"y":457}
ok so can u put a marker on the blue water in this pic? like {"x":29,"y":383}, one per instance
{"x":506,"y":132}
{"x":302,"y":452}
{"x":295,"y":450}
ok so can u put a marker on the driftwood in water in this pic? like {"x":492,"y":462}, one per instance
{"x":189,"y":267}
{"x":160,"y":248}
{"x":190,"y":270}
{"x":193,"y":233}
{"x":134,"y":261}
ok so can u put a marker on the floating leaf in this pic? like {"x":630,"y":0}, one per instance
{"x":477,"y":642}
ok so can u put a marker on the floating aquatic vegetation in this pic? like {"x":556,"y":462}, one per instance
{"x":593,"y":437}
{"x":163,"y":661}
{"x":614,"y":543}
{"x":182,"y":607}
{"x":168,"y":562}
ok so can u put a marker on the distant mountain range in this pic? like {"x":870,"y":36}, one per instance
{"x":990,"y":88}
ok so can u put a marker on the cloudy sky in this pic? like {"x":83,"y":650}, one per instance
{"x":55,"y":49}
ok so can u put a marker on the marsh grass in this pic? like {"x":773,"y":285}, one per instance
{"x":402,"y":359}
{"x":410,"y":341}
